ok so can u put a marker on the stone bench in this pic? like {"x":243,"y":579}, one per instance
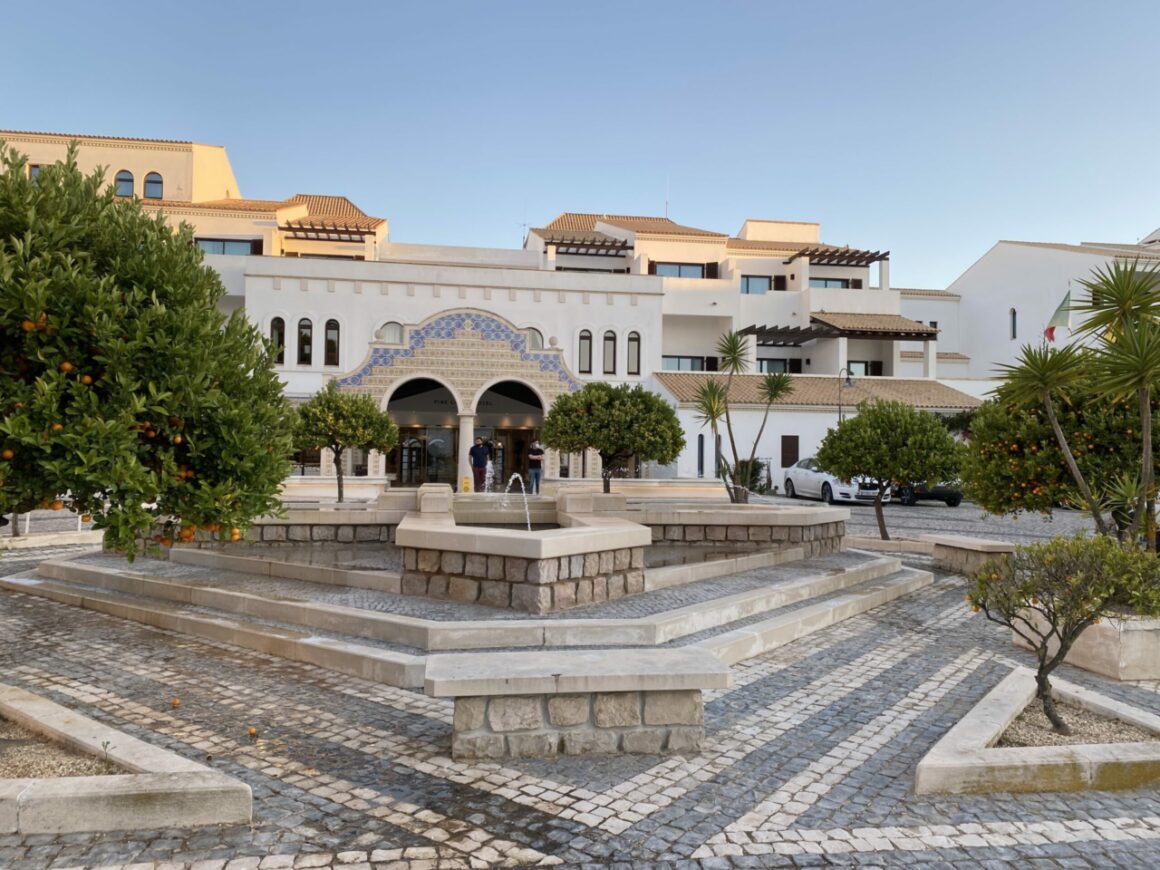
{"x":960,"y":554}
{"x":578,"y":702}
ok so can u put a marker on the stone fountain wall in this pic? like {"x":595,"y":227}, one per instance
{"x":532,"y":585}
{"x":815,"y":540}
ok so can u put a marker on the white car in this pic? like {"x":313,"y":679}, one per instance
{"x":804,"y":478}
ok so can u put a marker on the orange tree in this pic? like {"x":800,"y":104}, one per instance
{"x":125,"y":393}
{"x":341,"y":422}
{"x":1013,"y":462}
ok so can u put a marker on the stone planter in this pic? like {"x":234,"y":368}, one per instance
{"x":1123,"y":649}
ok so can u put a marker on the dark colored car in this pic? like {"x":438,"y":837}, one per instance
{"x":916,"y":492}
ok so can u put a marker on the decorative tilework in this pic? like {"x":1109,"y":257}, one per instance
{"x":475,"y":325}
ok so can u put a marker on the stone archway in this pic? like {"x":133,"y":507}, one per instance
{"x":426,"y":412}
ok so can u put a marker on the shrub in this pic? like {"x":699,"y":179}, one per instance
{"x":1049,"y":593}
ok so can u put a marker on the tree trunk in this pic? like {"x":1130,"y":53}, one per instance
{"x":1143,"y":520}
{"x":1043,"y":693}
{"x":15,"y":524}
{"x":338,"y":470}
{"x":1076,"y":474}
{"x":878,"y":515}
{"x":607,"y":482}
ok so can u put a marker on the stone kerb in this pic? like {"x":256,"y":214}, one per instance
{"x":518,"y":705}
{"x":593,"y":558}
{"x":163,"y":790}
{"x":959,"y":554}
{"x":817,"y":530}
{"x":966,"y":761}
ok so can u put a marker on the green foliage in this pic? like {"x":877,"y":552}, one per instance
{"x":125,"y":393}
{"x":1013,"y":462}
{"x":713,"y":409}
{"x":1049,"y":593}
{"x":892,"y":444}
{"x":343,"y":421}
{"x":617,"y":422}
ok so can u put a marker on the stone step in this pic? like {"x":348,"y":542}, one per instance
{"x":310,"y":606}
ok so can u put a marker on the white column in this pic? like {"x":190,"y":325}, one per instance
{"x":466,"y":439}
{"x":843,"y":353}
{"x":930,"y":359}
{"x":326,"y":463}
{"x":884,"y":274}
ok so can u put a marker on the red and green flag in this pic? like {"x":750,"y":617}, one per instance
{"x":1061,"y":317}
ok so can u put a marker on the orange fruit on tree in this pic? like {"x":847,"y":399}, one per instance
{"x":66,"y":367}
{"x":57,"y":505}
{"x":7,"y":454}
{"x":177,"y":439}
{"x":166,"y":541}
{"x":27,"y":325}
{"x":56,"y":427}
{"x":86,"y":518}
{"x":86,"y":379}
{"x":235,"y":534}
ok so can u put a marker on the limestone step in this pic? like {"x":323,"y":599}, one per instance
{"x":406,"y":666}
{"x":319,"y":607}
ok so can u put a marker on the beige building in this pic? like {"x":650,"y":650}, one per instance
{"x":459,"y":341}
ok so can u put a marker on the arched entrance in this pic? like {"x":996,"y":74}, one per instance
{"x":508,"y":415}
{"x":426,"y":413}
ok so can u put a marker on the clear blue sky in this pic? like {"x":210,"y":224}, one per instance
{"x":927,"y":128}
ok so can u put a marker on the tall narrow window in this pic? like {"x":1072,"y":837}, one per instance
{"x":154,"y":186}
{"x":305,"y":342}
{"x":1014,"y":325}
{"x":278,"y":337}
{"x":634,"y":353}
{"x":584,"y":357}
{"x":701,"y":455}
{"x":330,"y":347}
{"x":124,"y":183}
{"x":610,"y":352}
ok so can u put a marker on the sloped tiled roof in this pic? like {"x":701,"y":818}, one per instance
{"x":584,"y":222}
{"x":891,"y":323}
{"x":821,"y":391}
{"x":1126,"y":252}
{"x":943,"y":356}
{"x":925,"y":293}
{"x":334,"y":206}
{"x":262,"y":206}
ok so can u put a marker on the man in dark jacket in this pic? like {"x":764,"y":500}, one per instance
{"x":479,"y":454}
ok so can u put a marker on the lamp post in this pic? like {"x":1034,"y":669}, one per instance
{"x":843,"y":385}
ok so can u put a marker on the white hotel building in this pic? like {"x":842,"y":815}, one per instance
{"x":456,"y":342}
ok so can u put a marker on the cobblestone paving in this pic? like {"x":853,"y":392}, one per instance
{"x":809,"y":760}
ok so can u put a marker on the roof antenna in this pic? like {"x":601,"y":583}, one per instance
{"x":666,"y":196}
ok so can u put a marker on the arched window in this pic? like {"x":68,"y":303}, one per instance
{"x":610,"y":352}
{"x":305,"y":342}
{"x":278,"y":337}
{"x":634,"y":353}
{"x":701,"y":455}
{"x":1014,"y":325}
{"x":584,"y":357}
{"x":390,"y":333}
{"x":154,"y":186}
{"x":535,"y":339}
{"x":330,"y":346}
{"x":124,"y":183}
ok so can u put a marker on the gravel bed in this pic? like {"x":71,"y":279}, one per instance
{"x":1032,"y":728}
{"x":25,"y":755}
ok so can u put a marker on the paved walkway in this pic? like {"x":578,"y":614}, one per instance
{"x":809,"y":760}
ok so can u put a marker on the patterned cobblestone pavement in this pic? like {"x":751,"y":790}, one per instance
{"x":809,"y":760}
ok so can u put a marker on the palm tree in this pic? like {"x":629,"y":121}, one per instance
{"x":712,"y":402}
{"x":1123,"y":309}
{"x":1038,"y":377}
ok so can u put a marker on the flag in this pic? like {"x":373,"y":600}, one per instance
{"x":1061,"y":317}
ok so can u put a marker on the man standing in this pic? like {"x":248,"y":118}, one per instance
{"x":479,"y":454}
{"x":535,"y":467}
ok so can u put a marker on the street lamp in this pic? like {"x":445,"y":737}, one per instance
{"x":843,"y":385}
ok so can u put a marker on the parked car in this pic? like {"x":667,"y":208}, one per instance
{"x":804,"y":478}
{"x":915,"y":492}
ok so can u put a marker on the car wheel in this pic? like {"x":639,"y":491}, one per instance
{"x":954,"y":500}
{"x":906,"y":496}
{"x":790,"y":492}
{"x":827,"y":494}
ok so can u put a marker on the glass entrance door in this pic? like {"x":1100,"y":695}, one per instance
{"x":425,"y":454}
{"x":509,"y":454}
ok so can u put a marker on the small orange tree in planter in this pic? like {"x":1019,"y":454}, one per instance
{"x":1050,"y":593}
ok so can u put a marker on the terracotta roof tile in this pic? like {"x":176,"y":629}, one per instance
{"x":332,"y":206}
{"x":943,"y":356}
{"x":821,"y":391}
{"x":583,"y":222}
{"x":327,"y":221}
{"x":891,"y":323}
{"x":90,"y":136}
{"x":1127,"y":252}
{"x":264,"y":206}
{"x":924,"y":293}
